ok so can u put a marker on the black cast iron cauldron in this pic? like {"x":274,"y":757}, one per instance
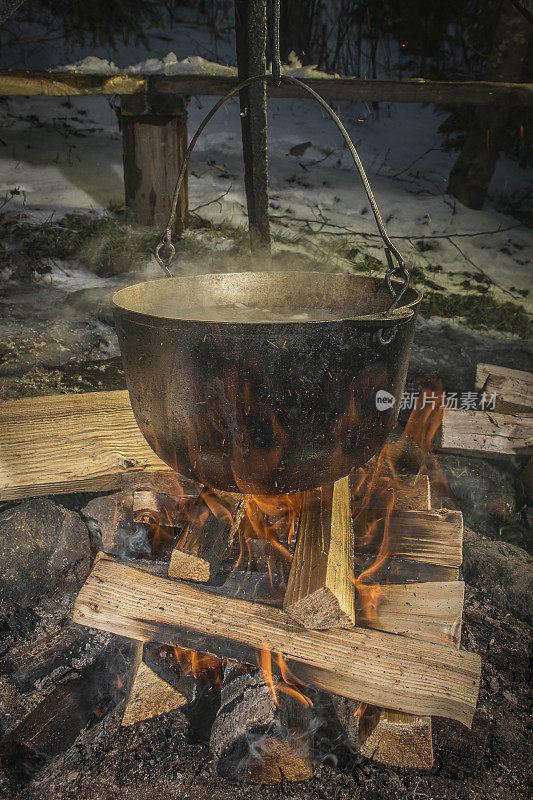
{"x":267,"y":407}
{"x":264,"y":408}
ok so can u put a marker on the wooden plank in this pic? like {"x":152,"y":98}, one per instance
{"x":378,"y":668}
{"x":68,"y":443}
{"x":320,"y":590}
{"x":432,"y":537}
{"x":213,"y":523}
{"x":513,"y":387}
{"x":60,"y":84}
{"x":431,"y":611}
{"x":413,"y":90}
{"x":485,"y":433}
{"x":406,"y":493}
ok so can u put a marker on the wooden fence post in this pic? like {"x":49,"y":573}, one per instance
{"x":250,"y":30}
{"x":154,"y":138}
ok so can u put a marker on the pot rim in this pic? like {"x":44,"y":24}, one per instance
{"x":402,"y":314}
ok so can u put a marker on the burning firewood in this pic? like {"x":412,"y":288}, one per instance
{"x":54,"y":724}
{"x":321,"y":592}
{"x":262,"y":732}
{"x":163,"y":494}
{"x":52,"y":654}
{"x":213,"y":523}
{"x":430,"y":546}
{"x":356,"y":663}
{"x":433,"y":538}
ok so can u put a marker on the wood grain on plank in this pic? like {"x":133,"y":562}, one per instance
{"x":378,"y":668}
{"x":486,"y":433}
{"x":410,"y":90}
{"x":513,"y":387}
{"x":68,"y":443}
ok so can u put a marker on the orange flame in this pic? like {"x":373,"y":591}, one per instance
{"x":200,"y":665}
{"x":359,"y":712}
{"x":378,"y":490}
{"x":284,"y":684}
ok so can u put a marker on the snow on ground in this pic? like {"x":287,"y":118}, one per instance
{"x":59,"y":155}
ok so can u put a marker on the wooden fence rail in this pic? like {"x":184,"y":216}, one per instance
{"x":154,"y":124}
{"x":413,"y":90}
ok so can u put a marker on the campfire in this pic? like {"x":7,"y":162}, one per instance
{"x":279,"y":616}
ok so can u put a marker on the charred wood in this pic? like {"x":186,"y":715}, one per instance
{"x":260,"y":735}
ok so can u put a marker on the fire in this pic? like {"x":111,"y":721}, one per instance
{"x":285,"y":684}
{"x":271,"y":521}
{"x":378,"y":490}
{"x":200,"y":665}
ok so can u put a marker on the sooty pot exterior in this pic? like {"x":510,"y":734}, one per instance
{"x":257,"y":407}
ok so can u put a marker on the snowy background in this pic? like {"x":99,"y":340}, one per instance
{"x":64,"y":155}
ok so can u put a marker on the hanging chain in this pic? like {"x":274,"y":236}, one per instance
{"x":165,"y":250}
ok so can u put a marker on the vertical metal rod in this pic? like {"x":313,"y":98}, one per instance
{"x":251,"y":27}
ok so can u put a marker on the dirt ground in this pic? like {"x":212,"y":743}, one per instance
{"x":159,"y":757}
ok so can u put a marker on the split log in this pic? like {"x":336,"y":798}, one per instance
{"x":50,"y":728}
{"x":164,"y":490}
{"x":395,"y":738}
{"x":485,"y":433}
{"x":69,"y":443}
{"x":150,"y":695}
{"x":321,"y":591}
{"x":103,"y":516}
{"x":406,"y":493}
{"x":513,"y":387}
{"x":374,"y":667}
{"x":154,"y":141}
{"x":431,"y":537}
{"x":402,"y":740}
{"x":54,"y":724}
{"x":260,"y":734}
{"x":213,"y":522}
{"x":431,"y":611}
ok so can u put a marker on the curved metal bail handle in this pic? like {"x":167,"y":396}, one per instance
{"x":166,"y":240}
{"x":390,"y":249}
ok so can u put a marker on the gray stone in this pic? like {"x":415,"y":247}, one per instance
{"x":485,"y":491}
{"x":44,"y":551}
{"x":499,"y":573}
{"x":453,"y":351}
